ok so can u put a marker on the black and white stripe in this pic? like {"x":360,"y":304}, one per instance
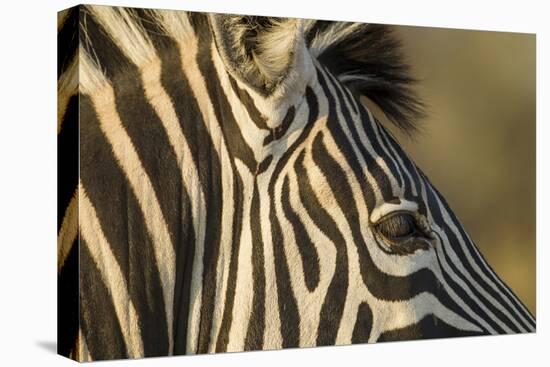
{"x":201,"y":212}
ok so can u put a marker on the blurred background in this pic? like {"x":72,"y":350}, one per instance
{"x":477,"y":144}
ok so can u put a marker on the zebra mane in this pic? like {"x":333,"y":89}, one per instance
{"x":367,"y":58}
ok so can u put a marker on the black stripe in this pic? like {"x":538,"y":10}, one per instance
{"x":396,"y":167}
{"x":391,"y":159}
{"x":408,"y":166}
{"x":67,"y":159}
{"x":154,"y":150}
{"x":208,"y":166}
{"x":67,"y":302}
{"x":150,"y":140}
{"x":429,"y":327}
{"x":461,"y":293}
{"x":322,"y":219}
{"x":454,"y":243}
{"x":229,"y":299}
{"x":363,"y":324}
{"x":99,"y":322}
{"x":371,"y":163}
{"x":95,"y":41}
{"x":209,"y":170}
{"x":211,"y":252}
{"x":333,"y":304}
{"x":144,"y":128}
{"x":233,"y":138}
{"x":288,"y":310}
{"x":256,"y":326}
{"x":369,"y":126}
{"x":343,"y":144}
{"x":249,"y":104}
{"x":280,"y":131}
{"x":238,"y":149}
{"x":264,"y":165}
{"x":122,"y":222}
{"x":185,"y":253}
{"x":490,"y":273}
{"x":306,"y":248}
{"x":351,"y":99}
{"x":381,"y":285}
{"x":67,"y":40}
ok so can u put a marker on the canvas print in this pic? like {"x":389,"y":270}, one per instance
{"x":233,"y":183}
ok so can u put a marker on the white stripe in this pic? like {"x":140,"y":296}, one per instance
{"x":377,"y":130}
{"x":252,"y":135}
{"x":309,"y":303}
{"x":67,"y":232}
{"x":371,"y":180}
{"x":466,"y":287}
{"x":162,"y":104}
{"x":111,"y":274}
{"x":505,"y":287}
{"x":406,"y":313}
{"x":188,"y":52}
{"x":401,"y":166}
{"x":103,"y":99}
{"x":82,"y":348}
{"x":356,"y":289}
{"x":174,"y":23}
{"x":67,"y":86}
{"x":272,"y":333}
{"x":62,"y":16}
{"x":393,"y":265}
{"x":445,"y":268}
{"x":128,"y":35}
{"x":364,"y":140}
{"x":471,"y":280}
{"x":228,"y":210}
{"x":242,"y":303}
{"x":396,"y":265}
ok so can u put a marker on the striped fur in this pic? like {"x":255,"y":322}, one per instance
{"x":200,"y":215}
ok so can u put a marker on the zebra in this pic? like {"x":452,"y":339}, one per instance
{"x":223,"y":187}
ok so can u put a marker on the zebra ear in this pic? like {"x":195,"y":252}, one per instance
{"x":260,"y":51}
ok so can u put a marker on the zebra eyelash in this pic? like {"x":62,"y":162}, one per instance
{"x":402,"y":232}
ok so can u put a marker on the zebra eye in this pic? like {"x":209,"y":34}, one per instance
{"x":403,"y":233}
{"x":397,"y":227}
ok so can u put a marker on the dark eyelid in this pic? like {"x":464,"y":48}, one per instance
{"x":417,"y":239}
{"x":392,"y":214}
{"x":411,"y":220}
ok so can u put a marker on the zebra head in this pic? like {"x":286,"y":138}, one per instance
{"x":365,"y":248}
{"x":235,"y":192}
